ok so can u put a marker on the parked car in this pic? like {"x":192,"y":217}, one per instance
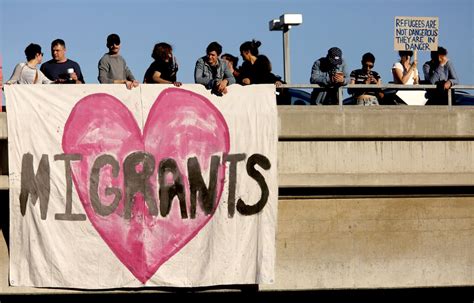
{"x":463,"y":98}
{"x":293,"y":96}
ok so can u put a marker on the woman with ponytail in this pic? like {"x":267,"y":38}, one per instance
{"x":256,"y":68}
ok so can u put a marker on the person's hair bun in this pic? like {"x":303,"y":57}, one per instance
{"x":256,"y":43}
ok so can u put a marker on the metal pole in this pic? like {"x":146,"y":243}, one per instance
{"x":450,"y":100}
{"x":286,"y":52}
{"x":340,"y":96}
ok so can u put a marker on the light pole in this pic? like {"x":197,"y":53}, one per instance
{"x":284,"y":24}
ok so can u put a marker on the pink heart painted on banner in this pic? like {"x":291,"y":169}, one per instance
{"x":180,"y":124}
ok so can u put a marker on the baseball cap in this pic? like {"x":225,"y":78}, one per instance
{"x":335,"y":56}
{"x":113,"y":39}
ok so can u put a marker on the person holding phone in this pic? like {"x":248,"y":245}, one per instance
{"x":366,"y":75}
{"x":329,"y":72}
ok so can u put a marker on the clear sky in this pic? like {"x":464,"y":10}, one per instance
{"x":354,"y":26}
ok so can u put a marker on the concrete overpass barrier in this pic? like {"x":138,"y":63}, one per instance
{"x":375,"y":146}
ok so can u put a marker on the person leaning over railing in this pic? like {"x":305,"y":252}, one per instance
{"x":165,"y":68}
{"x":213,"y":72}
{"x":112,"y":66}
{"x":257,"y":68}
{"x":28,"y":72}
{"x":439,"y":71}
{"x":329,"y":72}
{"x":365,"y":75}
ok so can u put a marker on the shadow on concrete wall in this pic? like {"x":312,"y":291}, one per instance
{"x":4,"y":215}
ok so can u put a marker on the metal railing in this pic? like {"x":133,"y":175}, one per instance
{"x":382,"y":86}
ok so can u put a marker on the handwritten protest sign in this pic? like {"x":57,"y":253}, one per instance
{"x":156,"y":186}
{"x":416,"y":33}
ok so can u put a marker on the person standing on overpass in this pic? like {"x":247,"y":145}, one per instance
{"x":112,"y":66}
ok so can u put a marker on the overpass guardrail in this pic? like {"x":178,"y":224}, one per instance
{"x":383,"y":86}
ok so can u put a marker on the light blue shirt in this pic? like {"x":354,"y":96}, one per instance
{"x":203,"y":73}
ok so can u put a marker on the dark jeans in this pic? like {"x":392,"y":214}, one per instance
{"x":438,"y":96}
{"x":324,"y":96}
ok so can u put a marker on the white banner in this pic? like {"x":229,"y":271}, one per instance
{"x":154,"y":186}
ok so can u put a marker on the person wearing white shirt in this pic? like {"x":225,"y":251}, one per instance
{"x":28,"y":72}
{"x":405,"y":72}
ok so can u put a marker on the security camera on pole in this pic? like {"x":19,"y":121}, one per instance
{"x":284,"y":24}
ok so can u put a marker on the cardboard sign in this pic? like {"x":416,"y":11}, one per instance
{"x":155,"y":186}
{"x":416,"y":33}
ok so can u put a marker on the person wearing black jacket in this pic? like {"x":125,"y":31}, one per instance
{"x":256,"y":69}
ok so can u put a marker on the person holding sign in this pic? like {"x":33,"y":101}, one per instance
{"x":329,"y":72}
{"x":439,"y":71}
{"x":404,"y":71}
